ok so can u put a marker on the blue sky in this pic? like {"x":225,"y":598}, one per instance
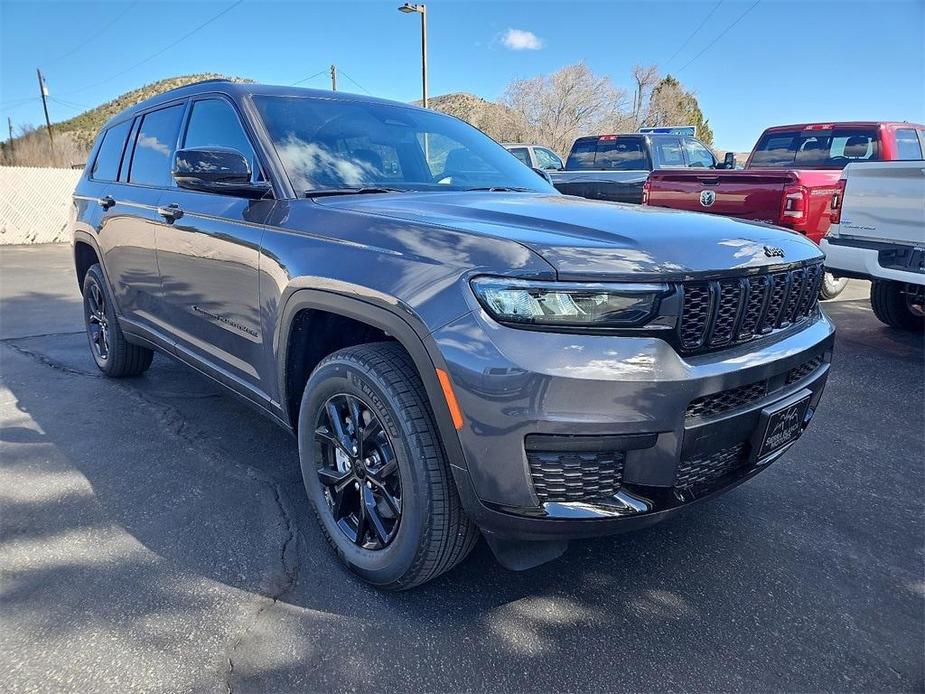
{"x":783,"y":62}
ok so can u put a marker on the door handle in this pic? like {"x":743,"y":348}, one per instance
{"x":105,"y":202}
{"x":171,"y":213}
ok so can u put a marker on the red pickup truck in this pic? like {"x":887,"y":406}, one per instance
{"x":790,"y":176}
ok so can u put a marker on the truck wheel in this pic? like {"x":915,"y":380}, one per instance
{"x":895,"y":307}
{"x":375,"y":471}
{"x":832,"y":286}
{"x":113,"y":354}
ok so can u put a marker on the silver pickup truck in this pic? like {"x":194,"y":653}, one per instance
{"x":878,"y":233}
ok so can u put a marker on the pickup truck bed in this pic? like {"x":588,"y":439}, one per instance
{"x":757,"y":195}
{"x":615,"y":186}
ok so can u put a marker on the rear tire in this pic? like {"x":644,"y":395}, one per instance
{"x":113,"y":354}
{"x":832,"y":286}
{"x":892,"y":306}
{"x":431,"y":533}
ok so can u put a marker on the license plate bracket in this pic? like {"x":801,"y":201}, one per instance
{"x":781,"y":424}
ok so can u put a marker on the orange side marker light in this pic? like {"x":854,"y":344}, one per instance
{"x":450,"y":396}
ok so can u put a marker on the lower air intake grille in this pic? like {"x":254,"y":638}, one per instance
{"x":575,"y":476}
{"x":800,"y":372}
{"x":717,"y":403}
{"x":704,"y":470}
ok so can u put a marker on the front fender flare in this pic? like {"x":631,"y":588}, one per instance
{"x":420,"y":346}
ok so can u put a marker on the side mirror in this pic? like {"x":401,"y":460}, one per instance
{"x":542,"y":174}
{"x":216,"y":170}
{"x":729,"y":161}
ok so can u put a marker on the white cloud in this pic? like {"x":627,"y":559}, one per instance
{"x":521,"y":40}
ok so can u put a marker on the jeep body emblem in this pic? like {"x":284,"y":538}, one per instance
{"x":773,"y":252}
{"x":707,"y":197}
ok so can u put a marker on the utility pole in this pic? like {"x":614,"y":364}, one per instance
{"x":43,"y":90}
{"x":408,"y":8}
{"x":333,"y":78}
{"x":9,"y":122}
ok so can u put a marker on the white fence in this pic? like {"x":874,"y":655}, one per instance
{"x":35,"y":203}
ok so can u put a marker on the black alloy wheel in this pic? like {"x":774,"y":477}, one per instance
{"x":97,"y":321}
{"x":359,"y":472}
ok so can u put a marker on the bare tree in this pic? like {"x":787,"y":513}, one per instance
{"x":570,"y":102}
{"x":646,"y":77}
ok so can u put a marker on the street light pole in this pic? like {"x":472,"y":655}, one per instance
{"x":408,"y":8}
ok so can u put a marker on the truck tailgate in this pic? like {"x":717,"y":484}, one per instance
{"x":742,"y":194}
{"x":885,"y":202}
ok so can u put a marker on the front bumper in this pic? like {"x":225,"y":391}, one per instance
{"x":516,"y":387}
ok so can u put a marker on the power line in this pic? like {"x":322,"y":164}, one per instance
{"x":306,"y":79}
{"x":355,"y":82}
{"x":724,"y":32}
{"x":161,"y":51}
{"x":94,"y":35}
{"x":694,"y":32}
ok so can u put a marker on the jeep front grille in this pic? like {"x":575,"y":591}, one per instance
{"x":725,"y":312}
{"x":575,"y":475}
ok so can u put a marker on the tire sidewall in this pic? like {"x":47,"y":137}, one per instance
{"x":832,"y":286}
{"x":390,"y":563}
{"x":95,"y":276}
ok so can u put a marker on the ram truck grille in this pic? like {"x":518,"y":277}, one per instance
{"x":720,"y":313}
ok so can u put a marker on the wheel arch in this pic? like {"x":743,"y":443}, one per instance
{"x":86,"y":254}
{"x":426,"y":358}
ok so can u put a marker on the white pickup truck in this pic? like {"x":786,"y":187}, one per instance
{"x":878,"y":234}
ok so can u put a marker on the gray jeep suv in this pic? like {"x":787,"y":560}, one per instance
{"x":459,"y":349}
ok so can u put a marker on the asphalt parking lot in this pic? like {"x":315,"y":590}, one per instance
{"x":154,"y":535}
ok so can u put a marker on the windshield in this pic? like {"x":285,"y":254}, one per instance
{"x":815,"y":149}
{"x":327,"y":144}
{"x":608,"y":152}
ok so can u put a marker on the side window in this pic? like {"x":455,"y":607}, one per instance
{"x":668,"y":152}
{"x":154,"y":147}
{"x":907,"y":145}
{"x":522,"y":154}
{"x":106,"y":166}
{"x":213,"y":123}
{"x":547,"y":159}
{"x":698,"y":156}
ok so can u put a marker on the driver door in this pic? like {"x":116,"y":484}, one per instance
{"x":209,"y":259}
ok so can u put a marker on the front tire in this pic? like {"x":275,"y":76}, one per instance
{"x":375,"y":471}
{"x":113,"y":354}
{"x":893,"y":306}
{"x":832,"y":286}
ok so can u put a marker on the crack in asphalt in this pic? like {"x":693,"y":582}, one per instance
{"x":173,"y":421}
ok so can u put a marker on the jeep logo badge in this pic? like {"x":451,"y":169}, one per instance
{"x":707,"y":197}
{"x":773,"y":252}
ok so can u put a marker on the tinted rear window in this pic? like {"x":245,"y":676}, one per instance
{"x":106,"y":166}
{"x":816,"y":149}
{"x":620,"y":154}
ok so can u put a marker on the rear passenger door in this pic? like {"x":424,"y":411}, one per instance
{"x":209,"y":259}
{"x":128,"y":232}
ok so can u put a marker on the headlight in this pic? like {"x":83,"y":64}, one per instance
{"x":568,"y":304}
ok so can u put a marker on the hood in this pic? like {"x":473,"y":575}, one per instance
{"x":585,"y":239}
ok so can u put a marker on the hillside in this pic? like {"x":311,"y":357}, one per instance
{"x":84,"y":127}
{"x":494,"y":119}
{"x":74,"y":137}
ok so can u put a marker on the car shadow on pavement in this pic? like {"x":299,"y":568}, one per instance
{"x":162,"y":484}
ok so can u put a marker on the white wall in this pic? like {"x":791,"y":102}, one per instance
{"x":35,"y":204}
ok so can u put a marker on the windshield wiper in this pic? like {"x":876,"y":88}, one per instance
{"x":502,"y":189}
{"x":359,"y":190}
